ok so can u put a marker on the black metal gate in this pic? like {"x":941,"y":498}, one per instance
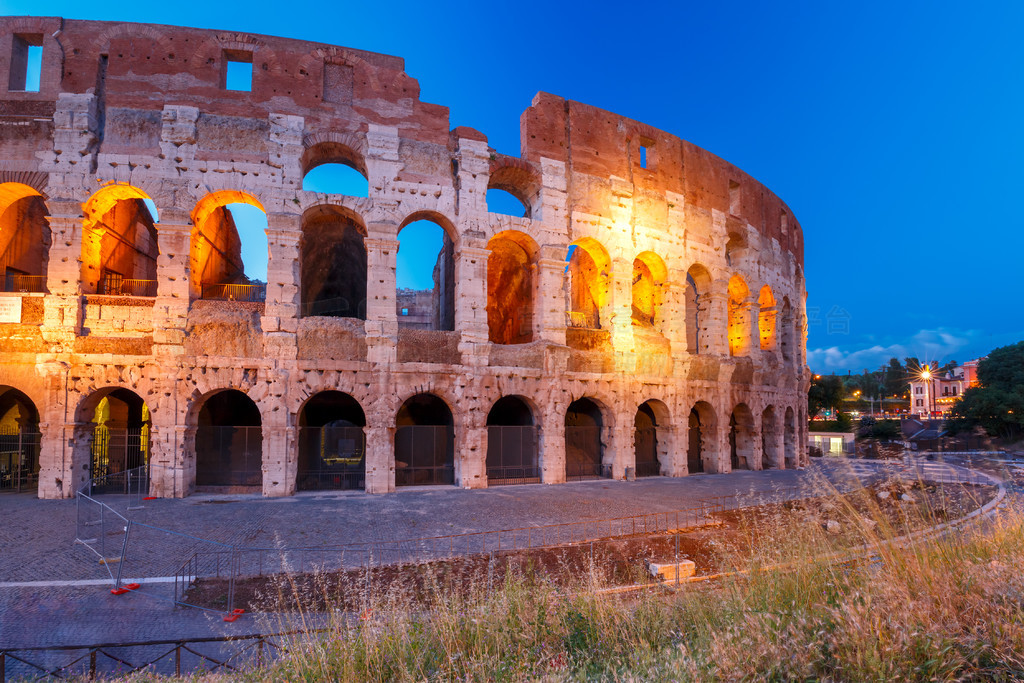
{"x":113,"y":452}
{"x":583,"y":454}
{"x":646,"y":449}
{"x":331,"y":458}
{"x":19,"y":460}
{"x":512,"y":455}
{"x":229,"y":456}
{"x":424,"y":455}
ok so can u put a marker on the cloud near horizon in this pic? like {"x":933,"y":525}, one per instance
{"x":942,"y":345}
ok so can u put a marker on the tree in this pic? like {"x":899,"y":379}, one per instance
{"x":825,"y":392}
{"x":997,"y":404}
{"x":895,"y":379}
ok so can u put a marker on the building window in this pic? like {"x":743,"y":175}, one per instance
{"x":918,"y":390}
{"x":920,"y":402}
{"x":26,"y":62}
{"x":955,"y":390}
{"x":405,"y":311}
{"x":237,"y":70}
{"x":643,"y":156}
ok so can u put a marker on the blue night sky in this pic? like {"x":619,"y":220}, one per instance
{"x":895,"y":131}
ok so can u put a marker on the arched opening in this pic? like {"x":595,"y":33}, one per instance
{"x":649,"y":274}
{"x":334,"y":168}
{"x":120,"y":426}
{"x":24,"y":238}
{"x":512,"y":189}
{"x":584,"y":448}
{"x":229,"y":251}
{"x":425,"y":277}
{"x":511,"y":443}
{"x":698,"y":285}
{"x":588,"y":284}
{"x":789,"y":444}
{"x":506,"y":203}
{"x":646,"y":446}
{"x":332,"y":445}
{"x":19,"y":441}
{"x":333,"y":264}
{"x":770,"y":440}
{"x":739,"y":317}
{"x":229,"y":442}
{"x":511,"y":275}
{"x":741,"y":437}
{"x":766,"y":313}
{"x":735,"y":250}
{"x":424,"y":442}
{"x":119,"y":243}
{"x":700,"y":437}
{"x":788,"y":331}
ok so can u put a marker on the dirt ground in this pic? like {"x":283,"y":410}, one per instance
{"x":884,"y":510}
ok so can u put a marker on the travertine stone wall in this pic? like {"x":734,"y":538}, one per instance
{"x":127,"y":112}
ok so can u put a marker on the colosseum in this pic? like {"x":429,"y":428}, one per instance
{"x":643,"y":315}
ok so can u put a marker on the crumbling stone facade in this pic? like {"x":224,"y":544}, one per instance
{"x":652,"y":292}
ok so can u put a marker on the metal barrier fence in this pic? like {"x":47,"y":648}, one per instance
{"x":229,"y":456}
{"x":160,"y":657}
{"x":24,"y":283}
{"x":19,"y":459}
{"x":512,"y":455}
{"x":127,"y":287}
{"x":424,"y":455}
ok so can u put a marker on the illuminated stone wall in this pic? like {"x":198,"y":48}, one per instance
{"x":685,"y":288}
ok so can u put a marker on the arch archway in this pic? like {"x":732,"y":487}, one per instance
{"x":424,"y":442}
{"x":332,"y":443}
{"x":698,"y":286}
{"x":511,"y":282}
{"x":649,"y":444}
{"x":229,"y":442}
{"x":588,"y":284}
{"x":116,"y":425}
{"x":511,"y":443}
{"x":223,"y":263}
{"x":739,"y":317}
{"x":700,"y":437}
{"x":584,"y":446}
{"x":24,"y":238}
{"x":770,"y":455}
{"x":19,"y":441}
{"x":425,"y":273}
{"x":649,"y":275}
{"x":334,"y":168}
{"x":789,"y":445}
{"x":333,"y":263}
{"x":766,"y":319}
{"x":741,"y":438}
{"x":119,"y":243}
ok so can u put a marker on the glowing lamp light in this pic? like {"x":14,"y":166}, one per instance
{"x":926,"y":374}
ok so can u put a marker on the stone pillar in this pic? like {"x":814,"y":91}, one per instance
{"x":382,"y":160}
{"x":620,"y":447}
{"x":756,"y":446}
{"x":749,"y":310}
{"x":280,"y":321}
{"x":471,"y":450}
{"x":62,"y":307}
{"x":552,"y":447}
{"x":280,"y":458}
{"x":56,"y":479}
{"x":673,"y":313}
{"x":169,"y":476}
{"x":381,"y":314}
{"x":716,"y":313}
{"x":621,"y":307}
{"x":549,"y":302}
{"x":471,"y":302}
{"x":170,"y":311}
{"x":380,"y":458}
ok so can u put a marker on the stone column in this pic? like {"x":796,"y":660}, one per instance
{"x":381,"y":314}
{"x":56,"y":478}
{"x":549,"y":302}
{"x":716,"y":313}
{"x":750,"y":309}
{"x":280,"y":321}
{"x":169,"y":476}
{"x":170,"y":311}
{"x":621,"y":307}
{"x":471,"y":450}
{"x":471,"y":301}
{"x":619,"y":447}
{"x":673,"y":313}
{"x":552,"y":447}
{"x":280,"y":457}
{"x":62,"y":307}
{"x":380,"y":458}
{"x":756,"y":446}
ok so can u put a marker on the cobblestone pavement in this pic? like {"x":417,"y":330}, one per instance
{"x":36,"y":539}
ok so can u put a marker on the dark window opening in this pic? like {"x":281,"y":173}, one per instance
{"x":584,"y":449}
{"x":645,"y":442}
{"x":19,"y":441}
{"x":334,"y":267}
{"x":237,"y":70}
{"x":643,"y":156}
{"x":511,"y":444}
{"x":425,"y":277}
{"x":229,"y":442}
{"x":332,"y":445}
{"x":694,"y":452}
{"x":424,"y":442}
{"x":26,"y":62}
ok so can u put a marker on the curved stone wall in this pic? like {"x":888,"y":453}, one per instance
{"x":645,"y":271}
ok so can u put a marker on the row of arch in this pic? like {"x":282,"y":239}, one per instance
{"x":120,"y":249}
{"x":227,"y":441}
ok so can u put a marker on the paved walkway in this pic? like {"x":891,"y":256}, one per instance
{"x":36,"y":539}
